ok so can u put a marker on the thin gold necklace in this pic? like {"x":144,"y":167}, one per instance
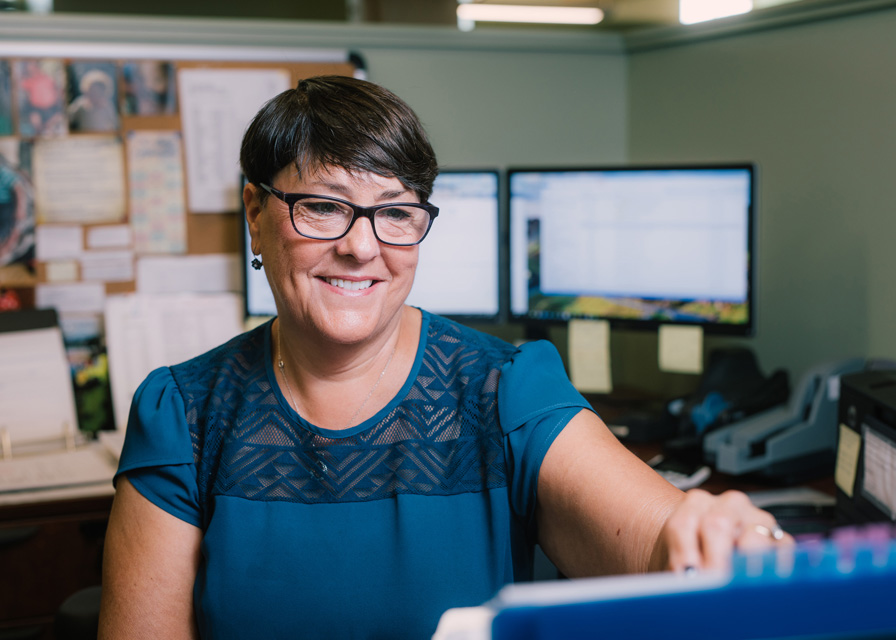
{"x":351,"y":421}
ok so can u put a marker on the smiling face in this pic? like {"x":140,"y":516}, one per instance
{"x":346,"y":290}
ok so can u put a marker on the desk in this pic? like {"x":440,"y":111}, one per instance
{"x":610,"y":408}
{"x":49,"y":548}
{"x":719,"y":482}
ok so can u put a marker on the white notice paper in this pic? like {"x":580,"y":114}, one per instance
{"x":107,"y":266}
{"x":113,"y":236}
{"x":589,"y":356}
{"x":79,"y":179}
{"x":216,"y":106}
{"x":58,"y":241}
{"x":209,"y":273}
{"x":35,"y":386}
{"x":74,"y":297}
{"x":144,"y":332}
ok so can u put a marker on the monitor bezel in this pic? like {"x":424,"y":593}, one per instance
{"x":747,"y":329}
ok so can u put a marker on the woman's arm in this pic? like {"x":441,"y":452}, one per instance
{"x":149,"y":567}
{"x":603,"y":511}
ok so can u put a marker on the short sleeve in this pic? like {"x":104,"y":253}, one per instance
{"x":157,"y":456}
{"x":536,"y":400}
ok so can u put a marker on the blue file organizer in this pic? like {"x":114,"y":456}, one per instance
{"x":839,"y":586}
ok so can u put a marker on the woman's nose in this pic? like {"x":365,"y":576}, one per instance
{"x":360,"y":241}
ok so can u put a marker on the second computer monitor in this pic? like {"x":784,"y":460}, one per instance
{"x":637,"y":246}
{"x":458,"y":273}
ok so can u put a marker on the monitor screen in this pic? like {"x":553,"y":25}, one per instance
{"x":458,"y":271}
{"x":637,"y":246}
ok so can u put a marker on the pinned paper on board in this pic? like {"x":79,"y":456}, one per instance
{"x":79,"y":179}
{"x":144,"y":332}
{"x":35,"y":386}
{"x":681,"y":348}
{"x":156,"y":191}
{"x":216,"y":106}
{"x":589,"y":356}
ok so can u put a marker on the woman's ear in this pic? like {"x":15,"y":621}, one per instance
{"x":253,"y":208}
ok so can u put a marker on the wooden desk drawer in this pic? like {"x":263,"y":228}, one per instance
{"x":45,"y":560}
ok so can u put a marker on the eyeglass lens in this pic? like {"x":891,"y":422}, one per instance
{"x":327,"y":219}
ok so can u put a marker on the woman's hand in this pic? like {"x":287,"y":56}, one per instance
{"x":602,"y":511}
{"x":704,"y":530}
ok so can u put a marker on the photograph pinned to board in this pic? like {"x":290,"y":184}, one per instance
{"x":148,"y":88}
{"x":93,"y":96}
{"x":6,"y":128}
{"x":40,"y":86}
{"x":17,"y":217}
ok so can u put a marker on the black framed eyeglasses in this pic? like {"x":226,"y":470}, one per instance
{"x":325,"y":218}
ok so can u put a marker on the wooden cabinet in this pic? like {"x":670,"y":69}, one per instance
{"x":48,"y":551}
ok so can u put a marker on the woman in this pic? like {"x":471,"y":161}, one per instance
{"x":356,"y":466}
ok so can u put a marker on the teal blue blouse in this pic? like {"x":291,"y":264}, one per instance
{"x":369,"y":532}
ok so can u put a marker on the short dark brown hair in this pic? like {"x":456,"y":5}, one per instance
{"x":344,"y":122}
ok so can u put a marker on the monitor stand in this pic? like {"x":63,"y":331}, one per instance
{"x":535,"y":331}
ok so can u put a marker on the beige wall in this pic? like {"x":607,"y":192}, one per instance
{"x":815,"y":106}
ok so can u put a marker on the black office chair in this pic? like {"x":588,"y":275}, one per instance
{"x":78,"y":616}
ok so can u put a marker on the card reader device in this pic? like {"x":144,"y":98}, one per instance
{"x":793,"y":441}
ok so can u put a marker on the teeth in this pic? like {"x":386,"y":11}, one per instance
{"x":349,"y":285}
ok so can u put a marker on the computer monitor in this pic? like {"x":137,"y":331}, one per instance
{"x":638,"y":246}
{"x":458,"y":273}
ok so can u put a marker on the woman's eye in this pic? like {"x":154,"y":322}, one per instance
{"x":394,"y":214}
{"x":323,"y":208}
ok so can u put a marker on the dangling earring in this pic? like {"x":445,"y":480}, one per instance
{"x":256,"y":263}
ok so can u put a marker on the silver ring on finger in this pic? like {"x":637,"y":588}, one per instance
{"x":775,"y":532}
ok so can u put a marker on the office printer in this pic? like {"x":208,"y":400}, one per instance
{"x":792,"y":442}
{"x":866,"y":448}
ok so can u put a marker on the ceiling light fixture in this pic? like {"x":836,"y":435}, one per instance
{"x":470,"y":12}
{"x":693,"y":11}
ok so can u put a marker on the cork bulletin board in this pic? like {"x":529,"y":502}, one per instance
{"x":69,"y":173}
{"x":112,"y":161}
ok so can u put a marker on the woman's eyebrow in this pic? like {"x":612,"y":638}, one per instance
{"x":392,"y":194}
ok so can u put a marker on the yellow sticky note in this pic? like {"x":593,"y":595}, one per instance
{"x":848,"y":446}
{"x":681,"y":348}
{"x":589,"y":356}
